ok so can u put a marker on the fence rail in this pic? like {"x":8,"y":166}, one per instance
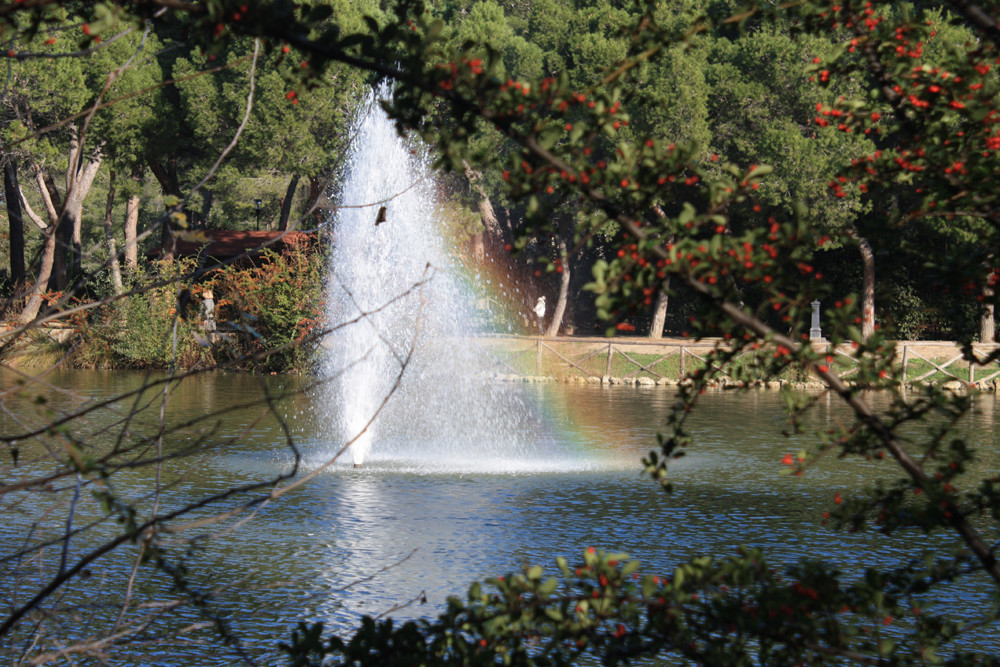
{"x":639,"y":361}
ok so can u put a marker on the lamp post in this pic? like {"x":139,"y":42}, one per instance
{"x":257,"y":203}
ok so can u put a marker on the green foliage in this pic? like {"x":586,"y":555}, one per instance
{"x":159,"y":326}
{"x":273,"y":305}
{"x":736,"y":610}
{"x":264,"y":312}
{"x":762,"y":109}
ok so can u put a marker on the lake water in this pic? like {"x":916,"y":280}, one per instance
{"x":364,"y":541}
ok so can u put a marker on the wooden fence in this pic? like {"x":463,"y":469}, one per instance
{"x":630,"y":359}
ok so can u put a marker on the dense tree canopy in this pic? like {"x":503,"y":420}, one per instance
{"x":143,"y":106}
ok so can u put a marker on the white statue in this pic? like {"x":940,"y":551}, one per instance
{"x":208,"y":312}
{"x":540,"y":311}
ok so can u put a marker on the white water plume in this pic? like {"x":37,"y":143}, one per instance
{"x":391,"y":279}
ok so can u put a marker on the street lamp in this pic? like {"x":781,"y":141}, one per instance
{"x":257,"y":203}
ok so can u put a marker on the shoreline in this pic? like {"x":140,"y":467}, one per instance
{"x":617,"y":361}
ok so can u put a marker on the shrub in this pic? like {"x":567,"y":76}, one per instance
{"x":157,"y":327}
{"x":273,"y":304}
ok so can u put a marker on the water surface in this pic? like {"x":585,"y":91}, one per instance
{"x":365,"y":541}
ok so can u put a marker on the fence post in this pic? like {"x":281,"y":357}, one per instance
{"x":538,"y":356}
{"x":972,"y":368}
{"x":607,"y":370}
{"x":682,"y":363}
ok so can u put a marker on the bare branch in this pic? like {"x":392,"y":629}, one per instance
{"x":34,"y":217}
{"x":32,"y":55}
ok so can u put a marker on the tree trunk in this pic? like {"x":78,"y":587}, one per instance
{"x":987,"y":323}
{"x":44,"y":271}
{"x":660,"y":311}
{"x":662,"y":299}
{"x":167,"y":178}
{"x":65,"y":226}
{"x":987,"y":326}
{"x":53,"y":204}
{"x":63,"y":236}
{"x":314,"y":191}
{"x":206,"y":207}
{"x":74,"y":205}
{"x":80,"y":175}
{"x":59,"y":278}
{"x":491,"y":237}
{"x":131,"y":231}
{"x":109,"y":238}
{"x":560,"y":310}
{"x":867,"y":288}
{"x":15,"y":222}
{"x":49,"y":197}
{"x":478,"y":248}
{"x":286,"y":203}
{"x":50,"y":193}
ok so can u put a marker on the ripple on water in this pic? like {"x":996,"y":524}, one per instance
{"x":355,"y":542}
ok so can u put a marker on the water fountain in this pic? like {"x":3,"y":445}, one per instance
{"x":392,"y":282}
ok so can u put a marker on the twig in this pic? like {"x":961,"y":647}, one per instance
{"x":69,"y":523}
